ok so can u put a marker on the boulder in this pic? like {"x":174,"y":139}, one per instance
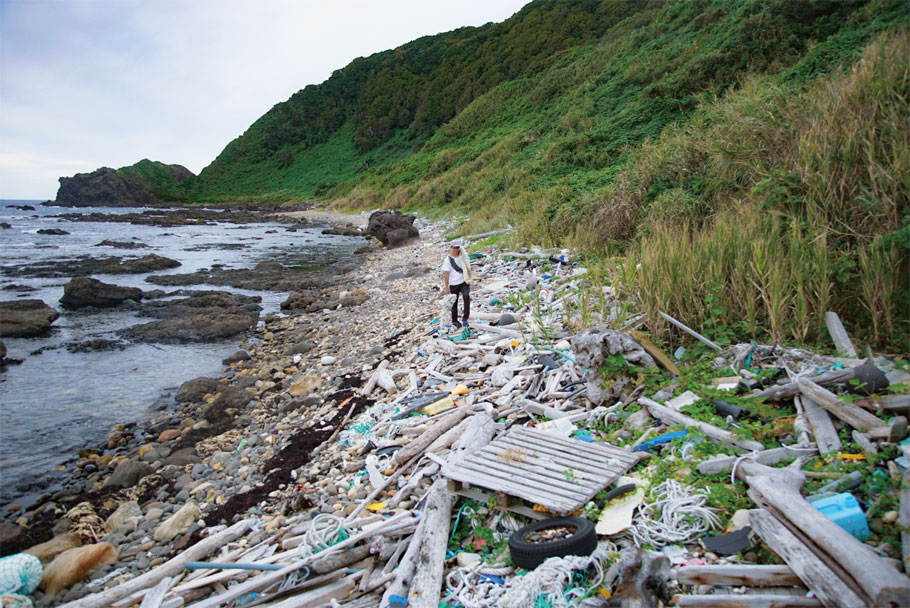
{"x":128,"y":473}
{"x":183,"y":457}
{"x":86,"y":291}
{"x":305,"y":385}
{"x":178,"y":523}
{"x":119,"y":517}
{"x":25,"y":318}
{"x":168,"y":435}
{"x":240,"y":355}
{"x":48,"y":550}
{"x":147,"y":263}
{"x":196,"y":389}
{"x":2,"y":351}
{"x":233,"y":398}
{"x":53,"y":231}
{"x":392,"y":228}
{"x":73,"y":565}
{"x":10,"y":534}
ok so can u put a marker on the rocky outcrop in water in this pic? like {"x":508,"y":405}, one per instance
{"x":88,"y":265}
{"x":25,"y":318}
{"x":85,"y":291}
{"x":194,"y":328}
{"x":112,"y":188}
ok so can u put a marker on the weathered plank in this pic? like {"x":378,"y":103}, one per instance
{"x":730,"y":600}
{"x":856,"y":417}
{"x":822,"y":427}
{"x":737,"y":575}
{"x":772,"y":456}
{"x":839,"y":335}
{"x":673,"y":417}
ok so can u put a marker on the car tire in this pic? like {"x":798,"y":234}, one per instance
{"x":529,"y":555}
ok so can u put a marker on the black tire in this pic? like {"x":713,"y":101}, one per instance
{"x":529,"y":555}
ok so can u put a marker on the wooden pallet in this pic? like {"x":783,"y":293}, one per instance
{"x":559,"y":474}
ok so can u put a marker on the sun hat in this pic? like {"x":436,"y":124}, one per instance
{"x":455,"y":243}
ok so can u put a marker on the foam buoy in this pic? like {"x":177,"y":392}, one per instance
{"x":506,"y":319}
{"x":869,"y":379}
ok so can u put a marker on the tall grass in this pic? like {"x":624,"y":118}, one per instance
{"x":821,"y":179}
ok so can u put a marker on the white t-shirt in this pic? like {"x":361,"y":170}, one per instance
{"x":455,"y":277}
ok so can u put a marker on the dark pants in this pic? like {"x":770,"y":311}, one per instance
{"x":465,"y":290}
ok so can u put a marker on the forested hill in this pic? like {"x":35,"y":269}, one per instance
{"x":576,"y":83}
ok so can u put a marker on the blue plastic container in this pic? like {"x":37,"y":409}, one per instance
{"x":843,"y":510}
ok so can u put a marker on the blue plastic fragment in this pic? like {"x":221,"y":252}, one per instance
{"x":584,"y":435}
{"x":659,"y":440}
{"x":843,"y":510}
{"x":492,"y":579}
{"x":397,"y":600}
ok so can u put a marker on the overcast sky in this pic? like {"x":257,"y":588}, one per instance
{"x":92,"y":83}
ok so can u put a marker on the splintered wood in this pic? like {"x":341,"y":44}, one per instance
{"x":559,"y":474}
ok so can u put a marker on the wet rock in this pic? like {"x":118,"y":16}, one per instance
{"x":122,"y":244}
{"x":168,"y":435}
{"x":233,"y":398}
{"x":183,"y":457}
{"x":240,"y":355}
{"x":196,"y":389}
{"x":128,"y":474}
{"x":73,"y":565}
{"x":392,"y":228}
{"x":85,"y":291}
{"x":53,"y":231}
{"x":301,"y":348}
{"x":11,"y":534}
{"x":25,"y":318}
{"x":178,"y":523}
{"x":194,"y":328}
{"x":202,"y":303}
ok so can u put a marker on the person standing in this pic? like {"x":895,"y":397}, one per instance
{"x":456,"y":279}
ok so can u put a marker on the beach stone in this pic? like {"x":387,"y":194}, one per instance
{"x":86,"y":291}
{"x":142,"y":563}
{"x":10,"y":534}
{"x":154,"y":514}
{"x":240,"y":355}
{"x":128,"y":474}
{"x":327,"y":360}
{"x":233,"y":398}
{"x":196,"y":389}
{"x":25,"y":318}
{"x":305,"y":385}
{"x":183,"y":457}
{"x":168,"y":435}
{"x":178,"y":523}
{"x":48,"y":550}
{"x":73,"y":565}
{"x":150,"y":455}
{"x":301,"y":348}
{"x":118,"y":518}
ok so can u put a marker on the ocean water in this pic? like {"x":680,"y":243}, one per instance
{"x":56,"y":402}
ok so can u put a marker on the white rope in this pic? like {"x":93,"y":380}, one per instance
{"x":553,"y":580}
{"x":675,"y":515}
{"x":323,"y":532}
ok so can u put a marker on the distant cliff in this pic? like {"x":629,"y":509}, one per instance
{"x":147,"y":183}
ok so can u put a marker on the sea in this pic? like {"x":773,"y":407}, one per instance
{"x":56,"y":402}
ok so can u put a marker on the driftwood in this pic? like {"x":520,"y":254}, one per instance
{"x":839,"y":335}
{"x":431,"y":554}
{"x":855,"y":416}
{"x":814,"y":573}
{"x":893,"y":402}
{"x":780,"y":392}
{"x":778,"y":490}
{"x":171,"y":567}
{"x":156,"y":595}
{"x":419,"y":446}
{"x":322,"y":595}
{"x":823,"y":430}
{"x":746,"y":601}
{"x":750,"y":576}
{"x":644,"y":577}
{"x":690,"y":331}
{"x":772,"y":456}
{"x":673,"y":417}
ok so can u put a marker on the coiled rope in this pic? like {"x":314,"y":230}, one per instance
{"x":675,"y":514}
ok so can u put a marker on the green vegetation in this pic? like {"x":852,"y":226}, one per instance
{"x":749,"y":157}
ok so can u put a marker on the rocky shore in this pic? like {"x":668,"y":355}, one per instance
{"x":228,"y":445}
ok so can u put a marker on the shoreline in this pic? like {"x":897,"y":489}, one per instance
{"x":206,"y":424}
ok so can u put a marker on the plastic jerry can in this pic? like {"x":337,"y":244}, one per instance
{"x":843,"y":510}
{"x":437,"y":406}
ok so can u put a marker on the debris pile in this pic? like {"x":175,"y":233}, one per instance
{"x":526,"y":461}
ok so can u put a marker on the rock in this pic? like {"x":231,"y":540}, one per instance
{"x":240,"y":355}
{"x":178,"y":523}
{"x":127,"y":474}
{"x":2,"y":351}
{"x":196,"y":389}
{"x":85,"y":291}
{"x":327,"y":360}
{"x":73,"y":565}
{"x":305,"y":385}
{"x":11,"y":534}
{"x":183,"y":457}
{"x":48,"y":550}
{"x":118,"y":518}
{"x":111,"y":188}
{"x":392,"y":228}
{"x":168,"y":435}
{"x":154,"y":514}
{"x":53,"y":231}
{"x":233,"y":398}
{"x":25,"y":318}
{"x":194,"y":328}
{"x":299,"y":349}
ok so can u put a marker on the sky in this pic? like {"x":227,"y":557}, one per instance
{"x":92,"y":83}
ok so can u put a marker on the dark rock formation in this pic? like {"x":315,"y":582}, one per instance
{"x":85,"y":291}
{"x":195,"y":328}
{"x":128,"y":474}
{"x":53,"y":231}
{"x":111,"y":188}
{"x":88,"y":265}
{"x":203,"y":302}
{"x":25,"y":318}
{"x":392,"y":228}
{"x":196,"y":389}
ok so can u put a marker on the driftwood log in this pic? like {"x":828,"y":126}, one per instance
{"x":737,"y":575}
{"x":730,"y":600}
{"x":781,"y":392}
{"x":839,"y":335}
{"x":772,"y":456}
{"x":171,"y":567}
{"x":778,"y":491}
{"x":430,"y":556}
{"x":855,"y":416}
{"x":419,"y":446}
{"x":671,"y":416}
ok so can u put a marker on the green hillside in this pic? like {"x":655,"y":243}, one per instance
{"x":721,"y":144}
